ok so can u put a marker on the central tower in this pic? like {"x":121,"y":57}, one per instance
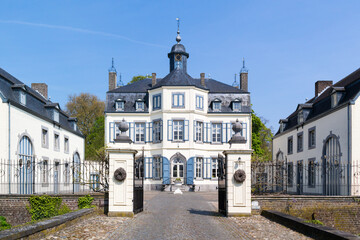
{"x":178,"y":55}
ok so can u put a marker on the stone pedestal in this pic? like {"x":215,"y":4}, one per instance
{"x":238,"y":194}
{"x":121,"y":192}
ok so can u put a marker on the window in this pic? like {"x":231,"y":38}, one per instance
{"x":311,"y":173}
{"x":198,"y":167}
{"x":214,"y":168}
{"x":312,"y":138}
{"x":199,"y":131}
{"x":216,"y":106}
{"x":199,"y":102}
{"x":66,"y":144}
{"x":67,"y":173}
{"x":290,"y":145}
{"x":119,"y":105}
{"x":45,"y":172}
{"x":178,"y":130}
{"x":178,"y":100}
{"x":216,"y":132}
{"x":157,"y":128}
{"x":157,"y":102}
{"x":22,"y":98}
{"x":139,"y":105}
{"x":56,"y":115}
{"x":236,"y":106}
{"x":290,"y":175}
{"x":94,"y":181}
{"x":157,"y":167}
{"x":300,"y":117}
{"x":44,"y":138}
{"x":139,"y":132}
{"x":300,"y":141}
{"x":56,"y":142}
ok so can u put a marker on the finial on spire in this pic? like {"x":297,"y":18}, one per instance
{"x":112,"y":69}
{"x":243,"y":69}
{"x":178,"y":38}
{"x":235,"y":83}
{"x":121,"y":84}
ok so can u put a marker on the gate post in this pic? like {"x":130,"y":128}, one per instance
{"x":121,"y":175}
{"x":238,"y":174}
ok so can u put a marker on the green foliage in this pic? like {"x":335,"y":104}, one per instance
{"x":137,"y":78}
{"x":46,"y":207}
{"x":314,"y":221}
{"x":261,"y":139}
{"x":85,"y":202}
{"x":4,"y":224}
{"x":95,"y":140}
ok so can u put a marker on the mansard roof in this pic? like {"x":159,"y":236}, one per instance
{"x":36,"y":104}
{"x":349,"y":85}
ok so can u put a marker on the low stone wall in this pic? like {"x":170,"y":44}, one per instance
{"x":13,"y":207}
{"x":340,"y":212}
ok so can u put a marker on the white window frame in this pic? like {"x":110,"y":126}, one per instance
{"x":56,"y":141}
{"x":237,"y":106}
{"x":157,"y":102}
{"x":157,"y":131}
{"x":214,"y":166}
{"x":22,"y":97}
{"x":199,"y":131}
{"x":140,"y":105}
{"x":199,"y":102}
{"x":217,"y":106}
{"x":140,"y":132}
{"x":157,"y":165}
{"x":178,"y":130}
{"x":66,"y":144}
{"x":178,"y":100}
{"x":56,"y":115}
{"x":119,"y":105}
{"x":216,"y":133}
{"x":66,"y":173}
{"x":199,"y":167}
{"x":45,"y":172}
{"x":45,"y":137}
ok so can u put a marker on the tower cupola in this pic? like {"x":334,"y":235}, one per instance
{"x":178,"y":55}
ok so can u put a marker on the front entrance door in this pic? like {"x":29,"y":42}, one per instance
{"x":178,"y":167}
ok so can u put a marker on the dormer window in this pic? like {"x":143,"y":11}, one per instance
{"x":56,"y":115}
{"x":22,"y":96}
{"x":336,"y":95}
{"x":300,"y":117}
{"x":216,"y":105}
{"x":119,"y":105}
{"x":236,"y":105}
{"x":139,"y":105}
{"x":282,"y":124}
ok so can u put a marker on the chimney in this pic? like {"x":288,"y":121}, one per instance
{"x":42,"y":88}
{"x":153,"y":79}
{"x":202,"y":79}
{"x":244,"y":81}
{"x":321,"y":85}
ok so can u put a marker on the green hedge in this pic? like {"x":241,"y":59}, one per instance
{"x":4,"y":224}
{"x":46,"y":207}
{"x":85,"y":202}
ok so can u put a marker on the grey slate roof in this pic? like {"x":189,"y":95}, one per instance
{"x":36,"y":104}
{"x":321,"y":104}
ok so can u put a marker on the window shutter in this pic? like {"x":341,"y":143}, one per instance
{"x":203,"y":168}
{"x":131,"y":131}
{"x":194,"y":131}
{"x":170,"y":130}
{"x":166,"y":170}
{"x":211,"y":133}
{"x":152,"y":167}
{"x":161,"y":130}
{"x":186,"y":130}
{"x":111,"y":131}
{"x":150,"y":134}
{"x":190,"y":171}
{"x":223,"y":132}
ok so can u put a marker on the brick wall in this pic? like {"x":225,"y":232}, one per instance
{"x":342,"y":213}
{"x":13,"y":207}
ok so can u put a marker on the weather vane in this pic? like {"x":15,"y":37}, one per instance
{"x":178,"y":38}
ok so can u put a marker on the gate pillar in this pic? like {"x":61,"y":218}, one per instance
{"x":238,"y":169}
{"x":121,"y":182}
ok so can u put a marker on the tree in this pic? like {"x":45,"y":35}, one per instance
{"x":137,"y":78}
{"x":95,"y":140}
{"x":261,"y":139}
{"x":86,"y":108}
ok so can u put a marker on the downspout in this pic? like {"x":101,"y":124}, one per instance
{"x":9,"y":149}
{"x":349,"y":182}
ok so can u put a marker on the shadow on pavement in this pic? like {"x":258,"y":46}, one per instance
{"x":204,"y":212}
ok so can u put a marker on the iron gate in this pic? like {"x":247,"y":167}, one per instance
{"x":138,"y":201}
{"x":222,"y":184}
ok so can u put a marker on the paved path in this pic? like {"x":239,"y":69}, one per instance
{"x":187,"y":216}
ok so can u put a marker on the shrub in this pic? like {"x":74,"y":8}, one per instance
{"x":85,"y":202}
{"x":4,"y":224}
{"x":46,"y":207}
{"x":315,"y":222}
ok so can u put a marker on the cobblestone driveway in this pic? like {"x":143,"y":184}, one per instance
{"x":169,"y":216}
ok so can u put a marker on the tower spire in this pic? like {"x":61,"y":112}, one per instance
{"x":243,"y":69}
{"x":178,"y":38}
{"x":112,"y":69}
{"x":235,"y":84}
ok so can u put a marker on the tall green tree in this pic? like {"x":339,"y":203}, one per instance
{"x":261,"y":139}
{"x":137,"y":78}
{"x":95,"y":140}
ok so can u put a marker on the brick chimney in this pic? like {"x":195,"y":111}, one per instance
{"x":321,"y":85}
{"x":153,"y":79}
{"x":42,"y":88}
{"x":244,"y":81}
{"x":202,"y":79}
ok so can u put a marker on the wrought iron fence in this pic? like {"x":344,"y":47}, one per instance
{"x":42,"y":176}
{"x":316,"y":178}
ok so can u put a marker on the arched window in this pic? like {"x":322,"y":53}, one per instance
{"x":332,"y":165}
{"x":25,"y":166}
{"x":76,"y":172}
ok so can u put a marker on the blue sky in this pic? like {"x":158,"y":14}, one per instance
{"x":288,"y":45}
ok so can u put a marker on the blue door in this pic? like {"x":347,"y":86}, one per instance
{"x":25,"y":166}
{"x":190,"y":171}
{"x":166,"y":171}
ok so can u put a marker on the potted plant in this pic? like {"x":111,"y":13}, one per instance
{"x":178,"y":182}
